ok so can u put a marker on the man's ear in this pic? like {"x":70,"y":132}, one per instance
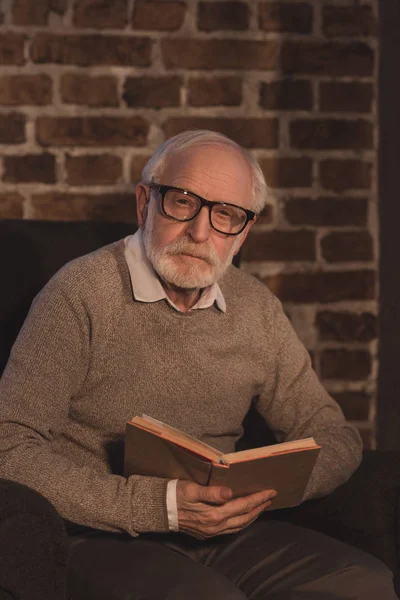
{"x":245,"y":233}
{"x":142,"y":194}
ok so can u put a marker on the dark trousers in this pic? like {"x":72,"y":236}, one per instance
{"x":33,"y":546}
{"x":268,"y":560}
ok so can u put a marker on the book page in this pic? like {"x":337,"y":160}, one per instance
{"x":178,"y":437}
{"x":284,"y":447}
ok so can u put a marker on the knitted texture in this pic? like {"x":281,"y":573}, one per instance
{"x":89,"y":357}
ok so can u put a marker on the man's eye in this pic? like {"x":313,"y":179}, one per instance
{"x":223,"y":213}
{"x":182,"y":201}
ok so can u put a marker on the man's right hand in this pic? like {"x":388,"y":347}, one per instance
{"x":204,"y":512}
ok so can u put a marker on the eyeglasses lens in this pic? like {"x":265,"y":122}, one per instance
{"x":183,"y":207}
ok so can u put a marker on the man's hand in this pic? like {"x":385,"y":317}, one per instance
{"x":207,"y":511}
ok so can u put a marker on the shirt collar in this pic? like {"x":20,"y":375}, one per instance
{"x":147,"y":287}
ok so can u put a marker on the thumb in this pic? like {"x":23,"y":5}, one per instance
{"x":215,"y":494}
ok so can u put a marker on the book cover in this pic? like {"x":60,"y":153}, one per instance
{"x":155,"y":449}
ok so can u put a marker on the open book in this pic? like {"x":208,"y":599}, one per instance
{"x":156,"y":449}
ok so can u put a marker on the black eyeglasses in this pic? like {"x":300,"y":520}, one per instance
{"x":182,"y":205}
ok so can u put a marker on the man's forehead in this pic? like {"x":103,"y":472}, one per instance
{"x":204,"y":153}
{"x":208,"y":168}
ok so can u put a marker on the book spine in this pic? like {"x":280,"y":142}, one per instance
{"x":218,"y":474}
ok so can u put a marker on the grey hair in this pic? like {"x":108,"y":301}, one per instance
{"x":154,"y":167}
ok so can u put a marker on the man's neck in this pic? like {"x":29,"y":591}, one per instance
{"x":184,"y":299}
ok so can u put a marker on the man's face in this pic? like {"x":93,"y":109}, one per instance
{"x":191,"y":254}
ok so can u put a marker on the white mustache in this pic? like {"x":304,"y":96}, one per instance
{"x":182,"y":246}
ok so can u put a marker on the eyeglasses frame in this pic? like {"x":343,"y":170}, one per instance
{"x":163,"y":189}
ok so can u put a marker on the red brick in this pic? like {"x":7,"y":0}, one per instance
{"x":98,"y":14}
{"x":158,"y":15}
{"x":331,"y":134}
{"x":27,"y":12}
{"x":152,"y":92}
{"x":76,"y":207}
{"x":287,"y":172}
{"x":96,"y":169}
{"x":323,"y":287}
{"x":327,"y":212}
{"x":347,"y":246}
{"x":91,"y":131}
{"x":346,"y":97}
{"x":25,"y":89}
{"x":189,"y":53}
{"x":279,"y":246}
{"x":214,"y":16}
{"x":355,"y":405}
{"x":137,"y":164}
{"x":11,"y":206}
{"x":344,"y":326}
{"x":87,"y":50}
{"x":285,"y":17}
{"x":350,"y":365}
{"x":251,"y":133}
{"x":327,"y":58}
{"x":215,"y":91}
{"x":341,"y":174}
{"x":28,"y":168}
{"x":286,"y":95}
{"x":12,"y":128}
{"x":91,"y":91}
{"x":12,"y":49}
{"x":351,"y":21}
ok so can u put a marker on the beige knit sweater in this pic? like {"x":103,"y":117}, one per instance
{"x":89,"y":357}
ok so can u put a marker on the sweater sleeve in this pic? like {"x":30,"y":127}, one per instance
{"x":47,"y":367}
{"x":295,"y":405}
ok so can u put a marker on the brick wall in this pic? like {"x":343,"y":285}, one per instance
{"x":89,"y":88}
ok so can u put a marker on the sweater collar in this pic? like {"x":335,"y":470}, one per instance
{"x":147,"y":287}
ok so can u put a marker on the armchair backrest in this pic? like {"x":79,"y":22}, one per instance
{"x":31,"y":252}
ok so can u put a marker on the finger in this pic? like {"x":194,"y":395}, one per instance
{"x":222,"y":495}
{"x":246,"y":504}
{"x":189,"y":493}
{"x":210,"y":524}
{"x":229,"y":526}
{"x":239,"y":522}
{"x":215,"y":494}
{"x":261,"y":496}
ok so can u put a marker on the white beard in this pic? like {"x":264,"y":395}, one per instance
{"x":186,"y":273}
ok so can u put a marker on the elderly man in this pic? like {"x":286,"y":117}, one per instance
{"x":161,"y":323}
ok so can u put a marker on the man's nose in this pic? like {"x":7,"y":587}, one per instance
{"x":199,"y":228}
